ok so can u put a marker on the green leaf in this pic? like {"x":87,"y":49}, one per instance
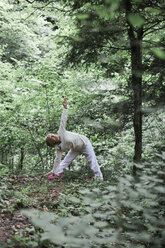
{"x":159,"y":53}
{"x":74,"y":199}
{"x":136,"y":20}
{"x":114,"y":3}
{"x":83,"y":16}
{"x":77,"y":38}
{"x":101,"y":224}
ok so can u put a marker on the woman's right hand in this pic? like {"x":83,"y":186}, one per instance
{"x":50,"y":173}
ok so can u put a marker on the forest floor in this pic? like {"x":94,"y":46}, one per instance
{"x":19,"y":192}
{"x":71,"y":201}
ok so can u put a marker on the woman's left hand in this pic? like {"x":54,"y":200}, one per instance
{"x":64,"y":103}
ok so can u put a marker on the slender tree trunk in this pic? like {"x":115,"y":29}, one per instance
{"x":36,"y":146}
{"x":20,"y":166}
{"x":136,"y":64}
{"x":135,"y":37}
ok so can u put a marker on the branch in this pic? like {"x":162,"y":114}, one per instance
{"x":152,"y":26}
{"x":30,"y":1}
{"x":128,"y":8}
{"x":62,"y":10}
{"x":155,"y":29}
{"x":154,"y":44}
{"x":117,"y":48}
{"x":149,"y":47}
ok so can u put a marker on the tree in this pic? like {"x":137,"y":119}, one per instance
{"x":20,"y":33}
{"x":111,"y":34}
{"x":104,"y":27}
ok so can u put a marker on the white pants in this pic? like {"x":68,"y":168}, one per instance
{"x":90,"y":156}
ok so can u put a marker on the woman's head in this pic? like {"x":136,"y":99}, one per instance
{"x":52,"y":140}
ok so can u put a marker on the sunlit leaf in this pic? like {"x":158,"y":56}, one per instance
{"x":83,"y":16}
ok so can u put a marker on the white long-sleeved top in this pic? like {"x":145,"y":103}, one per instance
{"x":69,"y":140}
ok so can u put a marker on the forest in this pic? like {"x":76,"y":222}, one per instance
{"x":107,"y":58}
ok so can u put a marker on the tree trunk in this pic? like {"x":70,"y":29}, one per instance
{"x":136,"y":67}
{"x":36,"y":146}
{"x":20,"y":166}
{"x":135,"y":37}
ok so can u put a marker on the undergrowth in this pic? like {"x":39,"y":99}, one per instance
{"x":128,"y":213}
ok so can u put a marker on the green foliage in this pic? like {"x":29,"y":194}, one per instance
{"x":128,"y":214}
{"x":20,"y":33}
{"x":159,"y":53}
{"x":136,"y":20}
{"x":23,"y":242}
{"x":33,"y":84}
{"x":37,"y":37}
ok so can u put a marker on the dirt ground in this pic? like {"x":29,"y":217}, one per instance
{"x":12,"y":222}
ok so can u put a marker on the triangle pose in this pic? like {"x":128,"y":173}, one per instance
{"x":75,"y":143}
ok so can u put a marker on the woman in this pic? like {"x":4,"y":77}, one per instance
{"x":75,"y":143}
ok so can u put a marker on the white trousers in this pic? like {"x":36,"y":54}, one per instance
{"x":90,"y":156}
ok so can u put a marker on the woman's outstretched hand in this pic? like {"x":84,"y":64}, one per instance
{"x":64,"y":103}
